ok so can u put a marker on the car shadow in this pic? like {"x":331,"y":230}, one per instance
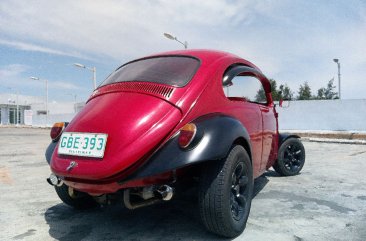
{"x":271,"y":173}
{"x":175,"y":220}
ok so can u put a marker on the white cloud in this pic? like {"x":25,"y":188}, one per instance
{"x":113,"y":28}
{"x":63,"y":85}
{"x":12,"y":70}
{"x":12,"y":79}
{"x":293,"y":41}
{"x":36,"y":48}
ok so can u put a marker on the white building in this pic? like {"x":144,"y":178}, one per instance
{"x":57,"y":111}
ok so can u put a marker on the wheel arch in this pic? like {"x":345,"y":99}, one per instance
{"x":293,"y":164}
{"x":282,"y":137}
{"x":244,"y":143}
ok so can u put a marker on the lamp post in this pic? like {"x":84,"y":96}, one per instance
{"x":93,"y":69}
{"x":73,"y":95}
{"x":169,"y":36}
{"x":339,"y":76}
{"x":46,"y":82}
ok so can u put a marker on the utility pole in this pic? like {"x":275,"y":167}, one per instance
{"x":339,"y":76}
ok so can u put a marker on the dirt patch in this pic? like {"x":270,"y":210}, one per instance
{"x":5,"y":176}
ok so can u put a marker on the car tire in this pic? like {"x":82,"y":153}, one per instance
{"x":225,"y":193}
{"x":291,"y":157}
{"x":78,"y":200}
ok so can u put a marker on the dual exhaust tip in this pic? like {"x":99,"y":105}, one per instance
{"x":165,"y":192}
{"x":149,"y":195}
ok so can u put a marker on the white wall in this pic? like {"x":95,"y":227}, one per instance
{"x":40,"y":120}
{"x":336,"y":115}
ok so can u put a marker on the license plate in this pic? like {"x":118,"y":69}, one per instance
{"x":82,"y":144}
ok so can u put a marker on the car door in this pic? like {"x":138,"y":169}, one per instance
{"x":269,"y":134}
{"x":247,"y":85}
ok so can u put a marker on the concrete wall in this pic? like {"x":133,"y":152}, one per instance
{"x":336,"y":115}
{"x":40,"y":120}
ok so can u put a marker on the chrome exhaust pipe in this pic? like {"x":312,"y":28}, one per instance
{"x":54,"y":180}
{"x":165,"y":192}
{"x":149,"y":195}
{"x":131,"y":206}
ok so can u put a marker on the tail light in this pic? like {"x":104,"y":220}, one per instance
{"x":56,"y":130}
{"x":186,"y":135}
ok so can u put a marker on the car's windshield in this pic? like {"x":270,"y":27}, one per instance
{"x":170,"y":70}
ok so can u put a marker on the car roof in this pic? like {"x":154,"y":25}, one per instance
{"x":206,"y":55}
{"x":199,"y":53}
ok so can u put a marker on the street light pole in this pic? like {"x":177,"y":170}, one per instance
{"x":94,"y":77}
{"x":93,"y":69}
{"x":46,"y":82}
{"x":46,"y":102}
{"x":339,"y":76}
{"x":169,"y":36}
{"x":74,"y":96}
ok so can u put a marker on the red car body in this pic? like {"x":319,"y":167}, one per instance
{"x":139,"y":119}
{"x":144,"y":119}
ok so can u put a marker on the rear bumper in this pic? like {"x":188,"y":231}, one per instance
{"x":102,"y":188}
{"x":94,"y":189}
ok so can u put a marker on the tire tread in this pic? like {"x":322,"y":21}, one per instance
{"x":211,"y":195}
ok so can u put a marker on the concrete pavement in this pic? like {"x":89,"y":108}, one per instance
{"x":327,"y":201}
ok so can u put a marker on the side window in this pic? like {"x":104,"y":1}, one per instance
{"x":247,"y":87}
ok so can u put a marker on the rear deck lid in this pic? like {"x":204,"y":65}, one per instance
{"x":123,"y":126}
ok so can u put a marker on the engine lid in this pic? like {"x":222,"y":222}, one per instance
{"x":134,"y":124}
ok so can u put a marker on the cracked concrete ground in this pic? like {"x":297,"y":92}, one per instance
{"x":327,"y":201}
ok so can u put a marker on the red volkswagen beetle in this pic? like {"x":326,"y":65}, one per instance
{"x":157,"y":121}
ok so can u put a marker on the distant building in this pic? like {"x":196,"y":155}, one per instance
{"x":9,"y":104}
{"x":78,"y":106}
{"x":32,"y":110}
{"x":8,"y":113}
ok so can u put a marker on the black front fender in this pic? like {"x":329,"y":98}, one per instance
{"x":218,"y":133}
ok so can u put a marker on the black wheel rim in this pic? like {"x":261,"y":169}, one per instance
{"x":239,"y":191}
{"x":293,"y":157}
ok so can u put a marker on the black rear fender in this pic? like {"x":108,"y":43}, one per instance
{"x":282,"y":137}
{"x":50,"y":149}
{"x":215,"y":136}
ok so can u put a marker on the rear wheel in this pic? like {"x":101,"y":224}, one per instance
{"x":75,"y":199}
{"x":225,"y":193}
{"x":291,"y":157}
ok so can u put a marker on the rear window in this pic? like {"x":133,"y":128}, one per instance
{"x":171,"y":70}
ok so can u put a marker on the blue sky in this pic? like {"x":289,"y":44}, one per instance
{"x":291,"y":41}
